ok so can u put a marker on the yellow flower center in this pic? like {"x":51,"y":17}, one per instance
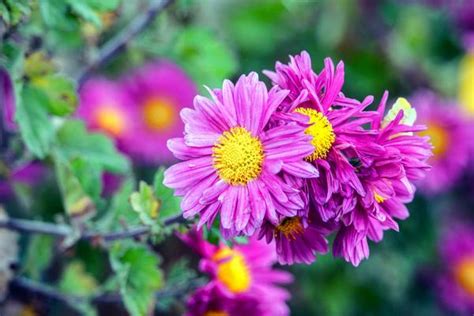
{"x":111,"y":120}
{"x":439,"y":138}
{"x":216,"y":313}
{"x":322,"y":132}
{"x":238,"y":156}
{"x":232,"y":270}
{"x":291,"y":227}
{"x":378,"y":198}
{"x":464,"y":274}
{"x":159,"y":113}
{"x":466,"y":79}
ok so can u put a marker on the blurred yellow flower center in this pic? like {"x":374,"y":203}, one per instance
{"x":215,"y":313}
{"x":439,"y":138}
{"x":110,"y":120}
{"x":232,"y":270}
{"x":238,"y":156}
{"x":378,"y":198}
{"x":464,"y":274}
{"x":159,"y":113}
{"x":291,"y":227}
{"x":466,"y":82}
{"x":322,"y":132}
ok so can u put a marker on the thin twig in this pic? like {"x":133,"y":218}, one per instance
{"x":118,"y":43}
{"x":60,"y":230}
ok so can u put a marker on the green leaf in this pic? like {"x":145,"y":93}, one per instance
{"x":12,"y":11}
{"x":12,"y":58}
{"x":145,"y":204}
{"x":85,"y":11}
{"x":54,"y":14}
{"x":76,"y":281}
{"x":169,"y":204}
{"x":77,"y":203}
{"x":36,"y":261}
{"x":138,"y":274}
{"x":61,"y":92}
{"x":74,"y":141}
{"x":35,"y":127}
{"x":120,"y":210}
{"x":204,"y":57}
{"x":89,"y":176}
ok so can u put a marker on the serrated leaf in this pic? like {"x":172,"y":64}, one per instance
{"x":61,"y":93}
{"x":169,"y":204}
{"x":76,"y":281}
{"x":38,"y":64}
{"x":204,"y":57}
{"x":145,"y":204}
{"x":89,"y":176}
{"x":73,"y":141}
{"x":120,"y":210}
{"x":138,"y":274}
{"x":32,"y":117}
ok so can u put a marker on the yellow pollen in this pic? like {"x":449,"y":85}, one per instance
{"x":464,"y":274}
{"x":439,"y":138}
{"x":378,"y":198}
{"x":232,"y":270}
{"x":110,"y":120}
{"x":322,"y":132}
{"x":291,"y":227}
{"x":159,"y":114}
{"x":215,"y":313}
{"x":238,"y":156}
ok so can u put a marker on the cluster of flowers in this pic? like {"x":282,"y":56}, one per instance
{"x":140,"y":110}
{"x":298,"y":162}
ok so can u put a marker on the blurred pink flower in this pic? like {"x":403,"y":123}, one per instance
{"x":456,"y":284}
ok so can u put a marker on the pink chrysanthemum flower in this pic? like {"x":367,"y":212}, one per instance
{"x":387,"y":181}
{"x":104,"y":106}
{"x":241,"y":276}
{"x":335,"y":125}
{"x":451,"y":135}
{"x":234,"y":157}
{"x":456,"y":285}
{"x":158,"y":92}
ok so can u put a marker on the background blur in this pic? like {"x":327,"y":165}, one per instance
{"x":399,"y":46}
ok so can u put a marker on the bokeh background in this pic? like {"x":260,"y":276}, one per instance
{"x":409,"y":48}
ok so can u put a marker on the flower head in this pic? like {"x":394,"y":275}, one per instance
{"x":335,"y":125}
{"x":456,"y":284}
{"x":387,"y":181}
{"x":242,"y":279}
{"x":158,"y":91}
{"x":450,"y":135}
{"x":234,"y":158}
{"x":105,"y":107}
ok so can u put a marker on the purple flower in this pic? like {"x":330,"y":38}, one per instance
{"x":387,"y":181}
{"x":140,"y":111}
{"x":7,"y":100}
{"x":335,"y":126}
{"x":159,"y":91}
{"x":451,"y":136}
{"x":105,"y":107}
{"x":242,"y":279}
{"x":456,"y":284}
{"x":234,"y":158}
